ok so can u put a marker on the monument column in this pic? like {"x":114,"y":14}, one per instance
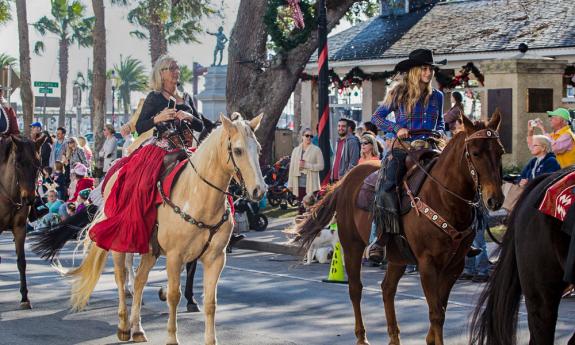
{"x":213,"y":97}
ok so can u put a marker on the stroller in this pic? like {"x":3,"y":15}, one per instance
{"x":257,"y":221}
{"x":276,"y":177}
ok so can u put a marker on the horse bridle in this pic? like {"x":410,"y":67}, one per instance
{"x":481,"y":134}
{"x":6,"y":194}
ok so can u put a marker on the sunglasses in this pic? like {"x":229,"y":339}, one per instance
{"x":365,"y":143}
{"x":308,"y":135}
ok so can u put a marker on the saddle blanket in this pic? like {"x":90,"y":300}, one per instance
{"x":559,"y":197}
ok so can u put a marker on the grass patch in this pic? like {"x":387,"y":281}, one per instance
{"x":497,"y":231}
{"x":277,"y":212}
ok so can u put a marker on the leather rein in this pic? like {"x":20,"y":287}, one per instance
{"x":422,"y":208}
{"x":212,"y":228}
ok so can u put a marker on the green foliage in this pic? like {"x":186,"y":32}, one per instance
{"x":5,"y":14}
{"x":68,"y":22}
{"x":281,"y":27}
{"x":7,"y":60}
{"x":186,"y":74}
{"x":363,"y":9}
{"x":180,"y":22}
{"x":131,"y":76}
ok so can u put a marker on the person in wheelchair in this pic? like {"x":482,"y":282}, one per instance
{"x":417,"y":106}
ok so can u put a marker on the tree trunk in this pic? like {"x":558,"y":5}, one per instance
{"x":99,"y":77}
{"x":127,"y":105}
{"x":251,"y":90}
{"x":63,"y":55}
{"x":158,"y":43}
{"x":25,"y":75}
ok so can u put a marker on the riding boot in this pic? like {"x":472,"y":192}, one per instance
{"x":386,"y":213}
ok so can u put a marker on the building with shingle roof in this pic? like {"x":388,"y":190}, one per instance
{"x":479,"y":31}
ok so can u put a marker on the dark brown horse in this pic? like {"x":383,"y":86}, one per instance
{"x":531,"y":263}
{"x":440,"y":262}
{"x":19,"y":167}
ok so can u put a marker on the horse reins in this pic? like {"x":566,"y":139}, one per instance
{"x":430,"y":213}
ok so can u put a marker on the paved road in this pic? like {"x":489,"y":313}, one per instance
{"x":264,"y":299}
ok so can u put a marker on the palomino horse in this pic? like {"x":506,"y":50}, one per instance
{"x":19,"y":167}
{"x":200,"y":226}
{"x":531,"y":263}
{"x":440,"y":254}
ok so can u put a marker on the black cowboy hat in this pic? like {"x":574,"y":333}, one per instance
{"x":418,"y":57}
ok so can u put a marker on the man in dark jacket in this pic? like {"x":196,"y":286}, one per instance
{"x":347,"y":151}
{"x":46,"y":148}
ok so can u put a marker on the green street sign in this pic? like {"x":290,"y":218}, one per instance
{"x":45,"y":84}
{"x":45,"y":90}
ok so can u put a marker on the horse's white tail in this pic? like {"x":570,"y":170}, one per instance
{"x":86,"y":276}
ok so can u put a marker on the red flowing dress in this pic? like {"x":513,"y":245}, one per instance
{"x":130,"y":208}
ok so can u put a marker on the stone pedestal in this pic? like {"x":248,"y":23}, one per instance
{"x":213,"y":97}
{"x":524,"y":88}
{"x":309,"y":99}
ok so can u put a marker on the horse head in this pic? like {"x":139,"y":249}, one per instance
{"x":484,"y":151}
{"x":23,"y":155}
{"x":244,"y":150}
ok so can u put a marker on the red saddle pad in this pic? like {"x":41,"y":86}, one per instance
{"x":559,"y":197}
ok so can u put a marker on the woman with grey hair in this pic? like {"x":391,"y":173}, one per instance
{"x":131,"y":205}
{"x":544,"y":160}
{"x":108,"y":151}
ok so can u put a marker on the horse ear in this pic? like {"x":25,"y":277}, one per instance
{"x":468,"y":125}
{"x":255,"y":122}
{"x":227,"y":123}
{"x":495,"y":121}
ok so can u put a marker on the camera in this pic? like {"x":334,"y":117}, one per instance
{"x":535,"y":122}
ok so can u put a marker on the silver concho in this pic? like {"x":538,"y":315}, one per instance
{"x":444,"y":225}
{"x":488,"y":133}
{"x":434,"y":217}
{"x":426,"y":210}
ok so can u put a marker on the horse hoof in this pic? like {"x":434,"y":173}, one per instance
{"x":25,"y":305}
{"x":162,"y":294}
{"x":193,"y":308}
{"x":124,"y":335}
{"x":139,"y":337}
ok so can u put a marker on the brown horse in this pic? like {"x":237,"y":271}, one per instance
{"x":19,"y":167}
{"x":477,"y":151}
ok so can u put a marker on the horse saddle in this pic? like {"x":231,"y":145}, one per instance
{"x":414,"y":178}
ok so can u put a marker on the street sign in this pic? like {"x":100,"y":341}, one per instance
{"x":50,"y":102}
{"x":45,"y":84}
{"x":45,"y":90}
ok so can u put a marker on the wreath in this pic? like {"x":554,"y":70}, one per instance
{"x":354,"y":77}
{"x":462,"y":78}
{"x":285,"y":32}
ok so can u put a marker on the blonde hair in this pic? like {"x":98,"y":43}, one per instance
{"x":543,"y":140}
{"x":156,"y":82}
{"x":374,"y":147}
{"x":408,"y":91}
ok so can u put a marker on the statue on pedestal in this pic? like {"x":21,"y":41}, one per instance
{"x":220,"y":45}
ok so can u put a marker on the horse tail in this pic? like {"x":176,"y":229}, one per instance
{"x":50,"y":241}
{"x":319,"y":216}
{"x":86,"y":276}
{"x":496,"y":324}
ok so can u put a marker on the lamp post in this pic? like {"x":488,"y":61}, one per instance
{"x":113,"y":96}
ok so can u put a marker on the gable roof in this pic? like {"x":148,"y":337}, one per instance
{"x":460,"y":27}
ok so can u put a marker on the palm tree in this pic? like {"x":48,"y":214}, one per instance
{"x":7,"y":60}
{"x":5,"y":15}
{"x":70,"y":25}
{"x":132,"y":77}
{"x":99,"y":74}
{"x":26,"y":92}
{"x":186,"y":74}
{"x":167,"y":21}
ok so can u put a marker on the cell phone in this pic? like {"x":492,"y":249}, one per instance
{"x":172,"y":103}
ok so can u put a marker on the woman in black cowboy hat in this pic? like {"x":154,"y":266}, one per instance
{"x":416,"y":106}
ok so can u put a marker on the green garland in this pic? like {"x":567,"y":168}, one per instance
{"x":287,"y":41}
{"x":354,"y":77}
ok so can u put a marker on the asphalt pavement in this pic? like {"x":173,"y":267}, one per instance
{"x":263,"y":299}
